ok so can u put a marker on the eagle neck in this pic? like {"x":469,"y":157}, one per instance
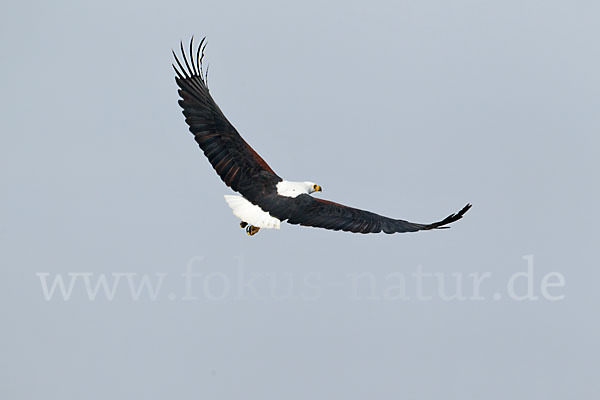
{"x":292,"y":189}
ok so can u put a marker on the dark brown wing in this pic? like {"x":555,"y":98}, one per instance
{"x":310,"y":211}
{"x":235,"y":161}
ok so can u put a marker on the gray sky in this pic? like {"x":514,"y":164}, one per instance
{"x":409,"y":108}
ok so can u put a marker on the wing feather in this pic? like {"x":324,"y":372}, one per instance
{"x":318,"y":213}
{"x":238,"y":165}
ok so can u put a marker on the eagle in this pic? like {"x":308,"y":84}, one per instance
{"x":266,"y":199}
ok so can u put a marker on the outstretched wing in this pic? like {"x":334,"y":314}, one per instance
{"x":235,"y":161}
{"x":310,"y":211}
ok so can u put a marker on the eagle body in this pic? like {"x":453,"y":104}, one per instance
{"x":266,"y":199}
{"x":256,"y":216}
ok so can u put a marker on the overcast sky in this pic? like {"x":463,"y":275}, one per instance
{"x":408,"y":108}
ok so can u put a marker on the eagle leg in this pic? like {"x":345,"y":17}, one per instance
{"x":243,"y":224}
{"x":252,"y":230}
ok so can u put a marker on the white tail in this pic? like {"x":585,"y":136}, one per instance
{"x":250,"y":213}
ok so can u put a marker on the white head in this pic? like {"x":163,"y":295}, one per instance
{"x":312,"y":187}
{"x":293,"y":189}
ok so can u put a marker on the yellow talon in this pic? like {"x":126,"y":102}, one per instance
{"x":252,"y":230}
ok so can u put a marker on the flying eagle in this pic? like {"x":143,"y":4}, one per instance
{"x":266,"y":198}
